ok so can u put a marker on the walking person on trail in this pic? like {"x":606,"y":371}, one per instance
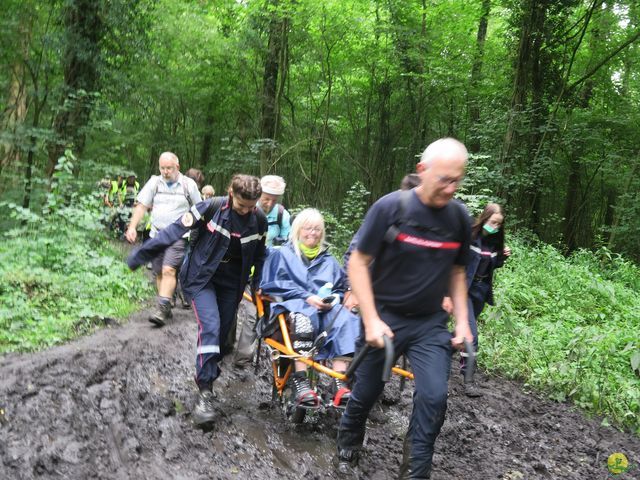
{"x":208,"y":192}
{"x":129,"y":190}
{"x":488,"y":252}
{"x":127,"y":199}
{"x":196,"y":175}
{"x":228,"y":242}
{"x":278,"y":219}
{"x":168,"y":196}
{"x":420,"y":241}
{"x":114,"y":199}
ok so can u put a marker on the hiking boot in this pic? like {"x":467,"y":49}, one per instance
{"x":471,"y":390}
{"x":162,"y":315}
{"x":343,"y":393}
{"x":345,"y":462}
{"x":204,"y":412}
{"x":305,"y":395}
{"x":183,"y":301}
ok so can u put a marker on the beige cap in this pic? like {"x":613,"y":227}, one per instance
{"x":273,"y":184}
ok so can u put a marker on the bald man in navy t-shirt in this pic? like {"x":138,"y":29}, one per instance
{"x":420,"y":244}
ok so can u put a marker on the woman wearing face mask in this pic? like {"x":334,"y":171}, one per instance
{"x":229,"y":240}
{"x":488,"y":252}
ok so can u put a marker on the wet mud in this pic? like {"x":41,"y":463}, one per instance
{"x":117,"y":404}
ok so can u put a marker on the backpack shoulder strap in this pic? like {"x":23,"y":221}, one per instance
{"x":263,"y":224}
{"x":280,"y":214}
{"x":215,"y":205}
{"x":155,"y":189}
{"x":463,"y":215}
{"x":185,"y":190}
{"x":403,"y":205}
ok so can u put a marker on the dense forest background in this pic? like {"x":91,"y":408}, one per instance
{"x":545,"y":93}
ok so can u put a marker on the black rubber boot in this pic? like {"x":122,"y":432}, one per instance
{"x":349,"y":445}
{"x":472,"y":390}
{"x":405,"y":466}
{"x":345,"y":462}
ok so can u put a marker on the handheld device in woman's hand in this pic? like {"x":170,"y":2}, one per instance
{"x":332,"y":300}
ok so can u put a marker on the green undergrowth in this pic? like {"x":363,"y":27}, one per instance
{"x":569,"y":327}
{"x":60,"y":276}
{"x":54,"y":289}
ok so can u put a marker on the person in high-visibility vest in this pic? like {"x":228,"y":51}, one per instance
{"x":127,"y":198}
{"x":113,"y":198}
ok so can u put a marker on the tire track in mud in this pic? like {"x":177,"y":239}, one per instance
{"x":116,"y":405}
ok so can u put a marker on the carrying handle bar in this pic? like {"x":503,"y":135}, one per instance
{"x":389,"y":357}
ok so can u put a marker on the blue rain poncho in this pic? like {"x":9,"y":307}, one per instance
{"x":286,"y":277}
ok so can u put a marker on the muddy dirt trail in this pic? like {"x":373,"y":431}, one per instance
{"x":117,"y":405}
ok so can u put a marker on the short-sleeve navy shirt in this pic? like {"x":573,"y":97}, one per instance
{"x":411,"y":274}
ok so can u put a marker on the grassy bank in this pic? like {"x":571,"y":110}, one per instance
{"x":569,"y":327}
{"x":60,"y":277}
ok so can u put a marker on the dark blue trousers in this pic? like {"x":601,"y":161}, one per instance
{"x":215,"y":308}
{"x":426,"y":342}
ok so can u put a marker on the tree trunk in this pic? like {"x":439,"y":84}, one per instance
{"x":520,"y":87}
{"x":84,"y":31}
{"x":618,"y":210}
{"x":28,"y":172}
{"x":16,"y":112}
{"x":473,"y":101}
{"x":207,"y":138}
{"x":571,"y":205}
{"x":539,"y":113}
{"x":411,"y":55}
{"x":272,"y":83}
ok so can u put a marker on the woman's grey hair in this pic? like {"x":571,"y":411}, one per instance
{"x":308,"y":215}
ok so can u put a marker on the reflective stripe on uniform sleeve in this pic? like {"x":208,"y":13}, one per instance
{"x":209,"y":349}
{"x":211,"y":226}
{"x":196,"y":214}
{"x":250,"y":238}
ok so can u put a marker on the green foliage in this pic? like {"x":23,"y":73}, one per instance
{"x":58,"y":274}
{"x":340,"y":230}
{"x":341,"y":227}
{"x":479,"y":185}
{"x":568,"y":327}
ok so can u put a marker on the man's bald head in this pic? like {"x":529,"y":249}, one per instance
{"x":441,"y":170}
{"x":444,"y":149}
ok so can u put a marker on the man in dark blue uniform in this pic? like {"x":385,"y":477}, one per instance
{"x":420,"y":244}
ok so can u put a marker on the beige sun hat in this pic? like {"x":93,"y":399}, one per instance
{"x":273,"y":184}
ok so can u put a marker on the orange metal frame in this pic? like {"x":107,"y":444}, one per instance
{"x":287,"y":349}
